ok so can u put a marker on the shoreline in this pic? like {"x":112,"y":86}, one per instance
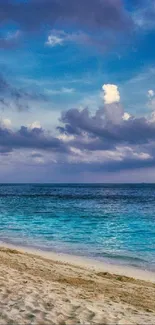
{"x":86,"y":263}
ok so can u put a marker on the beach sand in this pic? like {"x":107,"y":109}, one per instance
{"x":41,"y":290}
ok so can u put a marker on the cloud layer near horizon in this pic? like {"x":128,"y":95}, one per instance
{"x":103,"y":141}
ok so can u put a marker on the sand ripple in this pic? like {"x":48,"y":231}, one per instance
{"x":34,"y":290}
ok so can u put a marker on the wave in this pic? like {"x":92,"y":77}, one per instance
{"x":121,"y":257}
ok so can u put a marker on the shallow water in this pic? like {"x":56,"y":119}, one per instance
{"x":113,"y":223}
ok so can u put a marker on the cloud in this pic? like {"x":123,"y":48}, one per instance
{"x":109,"y":139}
{"x":126,"y":116}
{"x":30,"y":138}
{"x":10,"y":40}
{"x":111,"y":94}
{"x":86,"y":142}
{"x":152,"y":118}
{"x":99,"y":145}
{"x":62,"y":38}
{"x":11,"y":94}
{"x":132,"y":131}
{"x":114,"y":113}
{"x":144,"y":15}
{"x":151,"y":93}
{"x":35,"y":125}
{"x":151,"y":103}
{"x":54,"y":40}
{"x":105,"y":20}
{"x":113,"y":110}
{"x":66,"y":137}
{"x":5,"y":123}
{"x":36,"y":155}
{"x":34,"y":14}
{"x":61,"y":91}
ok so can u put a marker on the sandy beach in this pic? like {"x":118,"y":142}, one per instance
{"x":41,"y":290}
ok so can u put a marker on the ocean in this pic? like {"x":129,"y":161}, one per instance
{"x":114,"y":223}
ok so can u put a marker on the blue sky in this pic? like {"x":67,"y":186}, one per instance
{"x":76,"y":80}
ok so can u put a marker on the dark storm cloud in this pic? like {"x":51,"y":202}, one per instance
{"x":89,"y":143}
{"x":134,"y":131}
{"x":26,"y":138}
{"x":135,"y":137}
{"x":33,"y":14}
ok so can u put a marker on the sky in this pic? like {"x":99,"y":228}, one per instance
{"x":77,"y":91}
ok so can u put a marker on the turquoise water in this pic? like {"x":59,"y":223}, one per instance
{"x":112,"y":223}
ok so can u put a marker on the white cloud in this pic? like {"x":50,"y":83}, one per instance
{"x":132,"y":153}
{"x":151,"y":103}
{"x":6,"y":123}
{"x":61,"y":91}
{"x":111,"y":94}
{"x":143,"y":156}
{"x":100,"y":156}
{"x":35,"y":125}
{"x":113,"y":109}
{"x":39,"y":160}
{"x":54,"y":40}
{"x":97,"y":156}
{"x":152,"y":118}
{"x":66,"y":137}
{"x":126,"y":116}
{"x":60,"y":37}
{"x":151,"y":93}
{"x":67,"y":90}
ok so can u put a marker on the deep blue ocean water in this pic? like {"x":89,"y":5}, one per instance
{"x":112,"y":223}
